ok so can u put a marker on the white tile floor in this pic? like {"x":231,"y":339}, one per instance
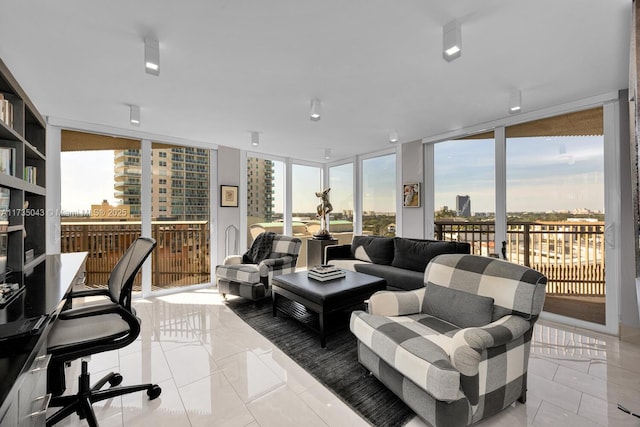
{"x":215,"y":370}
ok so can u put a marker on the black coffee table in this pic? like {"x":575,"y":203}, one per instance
{"x":323,"y":298}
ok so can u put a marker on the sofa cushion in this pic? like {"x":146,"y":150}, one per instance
{"x":397,"y":278}
{"x":461,"y":308}
{"x":413,"y":254}
{"x":376,"y":249}
{"x":417,"y":346}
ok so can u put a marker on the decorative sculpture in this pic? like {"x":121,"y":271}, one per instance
{"x":324,"y":208}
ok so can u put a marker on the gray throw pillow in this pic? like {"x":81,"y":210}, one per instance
{"x":458,"y":307}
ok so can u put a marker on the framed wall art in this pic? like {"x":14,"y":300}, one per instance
{"x":411,"y":195}
{"x":229,"y":196}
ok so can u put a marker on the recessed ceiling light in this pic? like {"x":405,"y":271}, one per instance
{"x":515,"y":102}
{"x":134,"y":115}
{"x":452,"y":40}
{"x":393,"y":137}
{"x":315,"y":110}
{"x":152,"y":56}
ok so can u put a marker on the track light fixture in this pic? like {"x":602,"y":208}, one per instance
{"x":134,"y":115}
{"x":152,"y":56}
{"x":515,"y":102}
{"x":452,"y":40}
{"x":315,"y":110}
{"x":255,"y":139}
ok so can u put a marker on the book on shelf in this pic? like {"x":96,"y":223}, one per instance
{"x":7,"y":160}
{"x":30,"y":174}
{"x":6,"y":111}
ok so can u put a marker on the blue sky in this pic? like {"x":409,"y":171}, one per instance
{"x":543,"y":174}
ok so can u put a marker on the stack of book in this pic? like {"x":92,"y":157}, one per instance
{"x":322,"y":273}
{"x":30,"y":174}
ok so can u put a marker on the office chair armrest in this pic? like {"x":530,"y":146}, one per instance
{"x":90,"y":310}
{"x":89,"y":293}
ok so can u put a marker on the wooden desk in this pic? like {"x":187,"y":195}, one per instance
{"x":23,"y":373}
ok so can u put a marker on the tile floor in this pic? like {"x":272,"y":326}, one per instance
{"x":215,"y":370}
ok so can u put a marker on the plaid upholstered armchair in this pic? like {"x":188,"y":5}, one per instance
{"x":250,"y":275}
{"x":457,"y":350}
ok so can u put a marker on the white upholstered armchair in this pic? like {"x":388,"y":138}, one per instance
{"x":457,"y":350}
{"x":249,"y":275}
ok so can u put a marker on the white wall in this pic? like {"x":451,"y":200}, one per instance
{"x":229,"y":172}
{"x":412,"y":171}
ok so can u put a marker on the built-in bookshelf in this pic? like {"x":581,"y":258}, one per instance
{"x":22,"y":173}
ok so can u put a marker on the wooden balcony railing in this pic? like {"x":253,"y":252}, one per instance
{"x":180,"y":258}
{"x":570,"y":254}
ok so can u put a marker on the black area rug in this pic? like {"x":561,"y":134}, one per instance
{"x":335,"y":366}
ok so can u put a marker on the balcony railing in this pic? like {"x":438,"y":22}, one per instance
{"x":180,"y":258}
{"x":570,"y":254}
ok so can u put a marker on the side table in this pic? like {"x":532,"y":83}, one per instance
{"x":315,"y":251}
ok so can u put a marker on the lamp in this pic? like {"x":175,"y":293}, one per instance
{"x":315,"y":110}
{"x":255,"y":139}
{"x":327,"y":153}
{"x":134,"y":115}
{"x":152,"y":56}
{"x":452,"y":40}
{"x":393,"y":137}
{"x":515,"y":102}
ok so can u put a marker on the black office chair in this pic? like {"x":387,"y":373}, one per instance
{"x":92,"y":329}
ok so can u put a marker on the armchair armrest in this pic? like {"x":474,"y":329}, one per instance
{"x":337,"y":252}
{"x":274,"y":264}
{"x":468,"y":344}
{"x":393,"y":303}
{"x":232,"y":259}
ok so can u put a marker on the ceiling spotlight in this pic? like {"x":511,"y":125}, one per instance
{"x":315,"y":110}
{"x":515,"y":102}
{"x":255,"y":139}
{"x":393,"y":137}
{"x":452,"y":40}
{"x":152,"y":56}
{"x":327,"y":153}
{"x":134,"y":115}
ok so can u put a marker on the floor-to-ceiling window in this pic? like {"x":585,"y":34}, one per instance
{"x":306,"y":181}
{"x":265,"y":196}
{"x":180,"y":215}
{"x":102,"y":207}
{"x":464,"y":182}
{"x":341,"y":197}
{"x":379,"y":195}
{"x":100,"y":200}
{"x":555,"y":208}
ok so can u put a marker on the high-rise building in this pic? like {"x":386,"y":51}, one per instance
{"x":260,"y":183}
{"x":179,"y":182}
{"x":463,"y":206}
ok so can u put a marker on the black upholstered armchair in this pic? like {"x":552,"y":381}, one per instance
{"x":92,"y":329}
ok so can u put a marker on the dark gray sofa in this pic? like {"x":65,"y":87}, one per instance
{"x":400,"y":261}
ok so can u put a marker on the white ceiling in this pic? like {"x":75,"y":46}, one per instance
{"x":229,"y":67}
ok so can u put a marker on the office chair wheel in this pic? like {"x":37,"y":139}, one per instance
{"x":115,"y":380}
{"x":154,"y":392}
